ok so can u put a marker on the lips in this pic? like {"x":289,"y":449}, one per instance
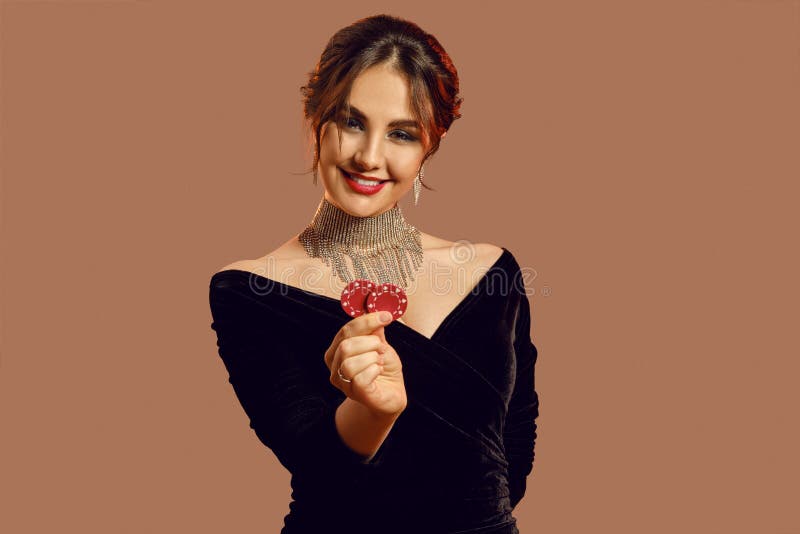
{"x":363,"y":189}
{"x":362,"y":177}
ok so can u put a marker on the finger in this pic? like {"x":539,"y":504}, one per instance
{"x":358,"y":345}
{"x":381,"y":335}
{"x":355,"y":347}
{"x":354,"y":365}
{"x":364,"y":324}
{"x":366,"y":378}
{"x":361,"y":325}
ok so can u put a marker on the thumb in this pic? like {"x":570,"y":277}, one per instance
{"x":379,"y":332}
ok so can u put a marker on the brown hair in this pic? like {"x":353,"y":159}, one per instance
{"x":373,"y":41}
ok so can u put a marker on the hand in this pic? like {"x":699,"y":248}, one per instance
{"x":361,"y":351}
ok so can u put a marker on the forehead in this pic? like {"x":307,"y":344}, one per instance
{"x":381,"y":93}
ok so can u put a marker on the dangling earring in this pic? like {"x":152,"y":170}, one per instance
{"x":418,"y":185}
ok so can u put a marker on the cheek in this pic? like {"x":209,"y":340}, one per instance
{"x":328,"y":138}
{"x":408,"y":165}
{"x":410,"y":170}
{"x":329,"y":145}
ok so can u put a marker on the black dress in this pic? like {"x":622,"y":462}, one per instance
{"x":456,"y":459}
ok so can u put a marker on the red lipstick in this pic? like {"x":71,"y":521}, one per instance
{"x":362,"y":188}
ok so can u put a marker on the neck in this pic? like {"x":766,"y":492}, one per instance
{"x":378,"y":246}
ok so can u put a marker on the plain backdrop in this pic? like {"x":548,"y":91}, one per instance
{"x":640,"y":158}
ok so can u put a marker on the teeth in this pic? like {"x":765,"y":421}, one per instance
{"x":362,"y":181}
{"x":365,"y":182}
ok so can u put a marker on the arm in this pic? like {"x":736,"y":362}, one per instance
{"x":519,"y":434}
{"x":362,"y":430}
{"x":286,"y":408}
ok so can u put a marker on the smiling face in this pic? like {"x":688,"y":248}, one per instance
{"x":378,"y":141}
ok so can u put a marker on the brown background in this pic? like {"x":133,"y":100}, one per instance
{"x":640,"y":157}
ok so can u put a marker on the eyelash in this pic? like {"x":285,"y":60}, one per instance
{"x":408,"y":137}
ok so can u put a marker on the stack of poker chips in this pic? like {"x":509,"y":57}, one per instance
{"x":364,"y":296}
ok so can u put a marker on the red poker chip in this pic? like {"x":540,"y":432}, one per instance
{"x":387,"y":297}
{"x":354,"y":296}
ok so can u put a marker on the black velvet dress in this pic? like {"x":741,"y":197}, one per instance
{"x":456,"y":459}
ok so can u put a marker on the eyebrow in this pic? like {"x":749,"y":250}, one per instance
{"x":401,"y":123}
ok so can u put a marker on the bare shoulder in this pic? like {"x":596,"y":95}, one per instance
{"x":479,"y":255}
{"x":490,"y":253}
{"x":239,"y":265}
{"x":285,"y":253}
{"x":291,"y":254}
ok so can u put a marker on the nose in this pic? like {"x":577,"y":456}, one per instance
{"x":369,"y":154}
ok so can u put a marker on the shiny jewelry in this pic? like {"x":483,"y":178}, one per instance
{"x":381,"y":248}
{"x":418,"y":185}
{"x":339,"y":372}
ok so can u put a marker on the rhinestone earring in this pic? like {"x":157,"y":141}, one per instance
{"x":418,"y":185}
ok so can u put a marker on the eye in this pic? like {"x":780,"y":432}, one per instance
{"x":356,"y":124}
{"x":404,"y":136}
{"x":349,"y":123}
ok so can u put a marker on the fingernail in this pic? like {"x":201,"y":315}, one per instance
{"x":385,"y":317}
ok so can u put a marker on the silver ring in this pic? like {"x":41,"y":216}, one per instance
{"x":339,"y":372}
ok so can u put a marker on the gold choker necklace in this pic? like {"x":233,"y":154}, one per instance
{"x":382,"y":248}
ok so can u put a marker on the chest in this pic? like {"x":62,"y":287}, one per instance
{"x":431,"y":299}
{"x":429,"y":307}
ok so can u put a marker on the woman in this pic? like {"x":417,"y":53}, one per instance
{"x":424,"y":422}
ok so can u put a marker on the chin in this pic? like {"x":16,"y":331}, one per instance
{"x":360,"y":206}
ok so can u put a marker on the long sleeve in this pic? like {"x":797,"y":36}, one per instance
{"x":519,"y":435}
{"x":285,"y":404}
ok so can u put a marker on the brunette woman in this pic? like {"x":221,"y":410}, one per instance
{"x":420,"y":421}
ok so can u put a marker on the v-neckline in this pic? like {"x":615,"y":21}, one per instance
{"x":451,"y":315}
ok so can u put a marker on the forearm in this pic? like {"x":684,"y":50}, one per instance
{"x":360,"y":429}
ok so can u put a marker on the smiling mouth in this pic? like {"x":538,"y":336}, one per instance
{"x":361,"y":180}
